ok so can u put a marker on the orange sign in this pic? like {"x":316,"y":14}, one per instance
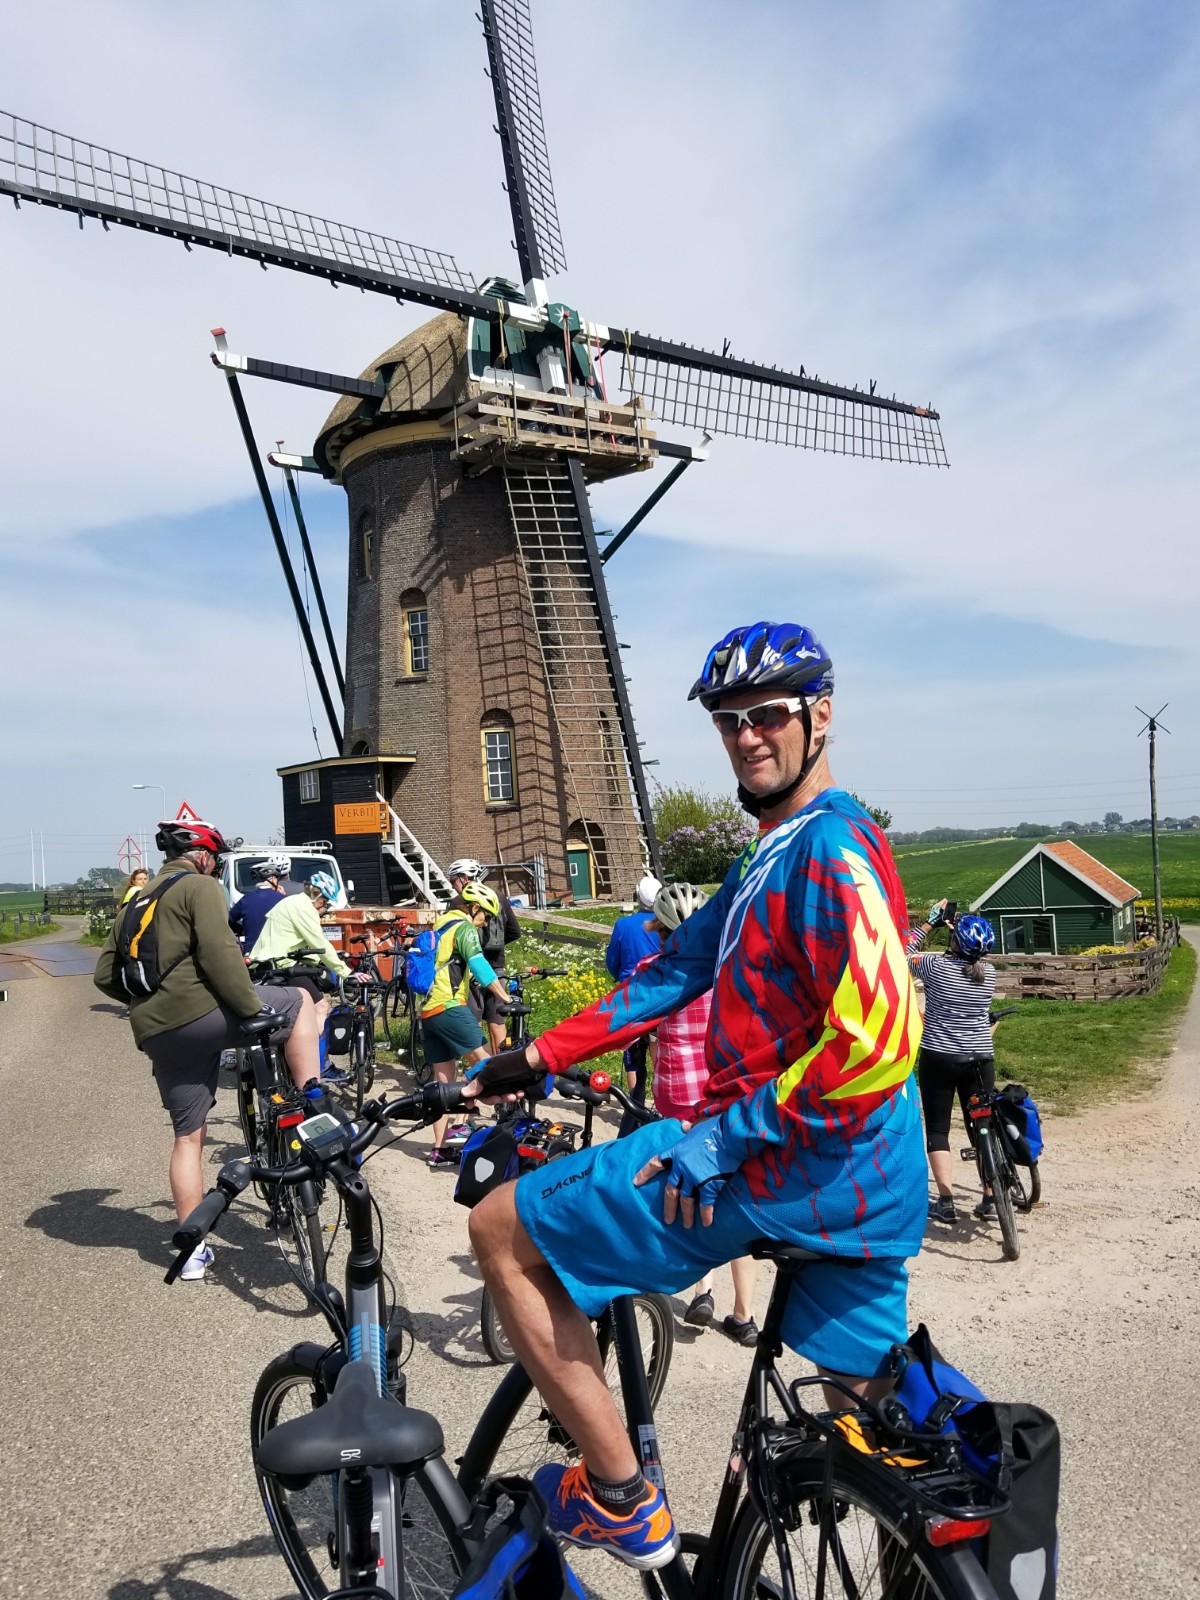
{"x":364,"y":817}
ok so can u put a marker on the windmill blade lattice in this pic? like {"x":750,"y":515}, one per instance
{"x":50,"y":168}
{"x":720,"y":394}
{"x":509,"y":35}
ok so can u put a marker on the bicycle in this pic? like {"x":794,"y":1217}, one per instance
{"x":388,"y":996}
{"x":993,"y":1153}
{"x":351,"y":1024}
{"x":352,"y":1480}
{"x":270,"y":1107}
{"x":862,"y":1503}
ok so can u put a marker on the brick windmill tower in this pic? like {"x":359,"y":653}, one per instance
{"x":485,"y":708}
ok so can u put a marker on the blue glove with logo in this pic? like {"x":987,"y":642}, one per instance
{"x":701,"y":1164}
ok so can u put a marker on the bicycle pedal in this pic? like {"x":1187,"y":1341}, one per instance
{"x":968,"y":1154}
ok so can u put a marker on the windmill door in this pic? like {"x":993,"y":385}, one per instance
{"x":579,"y":870}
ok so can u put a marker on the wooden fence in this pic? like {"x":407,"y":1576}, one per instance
{"x":78,"y":900}
{"x":1109,"y":977}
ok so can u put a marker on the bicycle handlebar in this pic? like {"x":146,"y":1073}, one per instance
{"x":426,"y":1105}
{"x":576,"y":1083}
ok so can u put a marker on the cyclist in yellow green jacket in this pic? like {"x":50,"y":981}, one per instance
{"x":449,"y":1029}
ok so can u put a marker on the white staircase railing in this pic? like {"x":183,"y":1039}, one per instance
{"x":412,"y":857}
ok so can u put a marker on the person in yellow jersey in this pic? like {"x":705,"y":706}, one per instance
{"x":448,"y":1025}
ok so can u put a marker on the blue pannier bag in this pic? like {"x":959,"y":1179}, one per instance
{"x":518,"y":1560}
{"x":490,"y":1158}
{"x":1022,"y":1124}
{"x":1014,"y":1448}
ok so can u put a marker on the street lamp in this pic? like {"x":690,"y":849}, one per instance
{"x":163,"y":792}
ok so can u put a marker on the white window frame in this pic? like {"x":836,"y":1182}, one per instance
{"x":495,"y":762}
{"x":310,"y":779}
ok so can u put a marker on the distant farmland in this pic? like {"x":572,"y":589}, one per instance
{"x":963,"y":871}
{"x":19,"y":900}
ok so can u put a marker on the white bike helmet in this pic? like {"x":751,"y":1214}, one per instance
{"x":466,"y":867}
{"x":646,"y":891}
{"x":272,"y":867}
{"x":676,"y":902}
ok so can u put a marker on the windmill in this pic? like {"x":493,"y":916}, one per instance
{"x":484,"y":700}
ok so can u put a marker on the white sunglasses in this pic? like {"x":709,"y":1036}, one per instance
{"x":768,"y":715}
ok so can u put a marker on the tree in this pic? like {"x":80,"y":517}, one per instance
{"x":1112,"y":821}
{"x":103,"y":878}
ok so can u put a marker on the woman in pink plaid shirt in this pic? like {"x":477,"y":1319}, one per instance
{"x":680,"y":1085}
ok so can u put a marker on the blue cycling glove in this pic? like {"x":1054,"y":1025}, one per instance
{"x":702,"y":1163}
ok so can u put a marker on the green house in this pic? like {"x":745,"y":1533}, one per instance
{"x":1058,"y":898}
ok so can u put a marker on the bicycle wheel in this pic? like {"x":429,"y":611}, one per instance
{"x":362,"y":1060}
{"x":495,"y":1340}
{"x":303,"y":1520}
{"x":421,"y":1069}
{"x":997,"y":1175}
{"x":518,"y":1432}
{"x":856,"y":1533}
{"x":298,"y":1207}
{"x":392,"y":1013}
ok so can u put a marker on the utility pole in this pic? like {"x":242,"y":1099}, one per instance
{"x":1152,"y":726}
{"x":32,"y":863}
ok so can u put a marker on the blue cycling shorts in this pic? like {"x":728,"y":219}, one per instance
{"x":604,"y":1237}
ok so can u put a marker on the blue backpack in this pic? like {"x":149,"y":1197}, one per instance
{"x":1022,"y":1124}
{"x":1014,"y":1448}
{"x":420,"y":959}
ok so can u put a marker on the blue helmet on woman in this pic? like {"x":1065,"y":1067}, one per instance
{"x":974,"y":937}
{"x":767,"y":655}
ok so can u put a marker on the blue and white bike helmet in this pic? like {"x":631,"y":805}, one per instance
{"x":324,"y":884}
{"x":767,"y":655}
{"x":973,"y":936}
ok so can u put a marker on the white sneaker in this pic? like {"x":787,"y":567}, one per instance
{"x":193,"y":1267}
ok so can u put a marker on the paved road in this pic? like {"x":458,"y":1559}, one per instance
{"x":126,"y":1469}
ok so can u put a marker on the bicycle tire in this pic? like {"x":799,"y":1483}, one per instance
{"x":301,"y":1520}
{"x":362,"y":1061}
{"x":1027,"y":1186}
{"x":392,"y":1013}
{"x":303,"y":1202}
{"x":998,"y":1180}
{"x":517,"y":1432}
{"x":869,"y":1520}
{"x":491,"y":1331}
{"x":421,"y":1069}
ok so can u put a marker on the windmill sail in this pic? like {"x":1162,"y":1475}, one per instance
{"x":537,"y":235}
{"x":721,"y":394}
{"x":50,"y":168}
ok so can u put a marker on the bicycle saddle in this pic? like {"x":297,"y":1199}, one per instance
{"x":355,"y":1427}
{"x":775,"y":1250}
{"x":253,"y":1027}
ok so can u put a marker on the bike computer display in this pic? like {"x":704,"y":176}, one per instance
{"x":325,"y":1135}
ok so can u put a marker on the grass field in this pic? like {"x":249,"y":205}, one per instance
{"x":19,"y":900}
{"x":963,"y":871}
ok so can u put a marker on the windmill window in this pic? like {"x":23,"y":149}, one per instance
{"x":310,"y":786}
{"x":414,"y":634}
{"x":499,"y":767}
{"x":366,"y":545}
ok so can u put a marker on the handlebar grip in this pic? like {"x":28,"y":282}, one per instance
{"x":995,"y":1016}
{"x":199,"y":1222}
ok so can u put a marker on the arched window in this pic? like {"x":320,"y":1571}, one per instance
{"x":413,"y":634}
{"x":499,"y":759}
{"x":360,"y":747}
{"x":365,"y":545}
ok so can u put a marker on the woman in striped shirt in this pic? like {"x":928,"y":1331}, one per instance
{"x":680,"y":1090}
{"x":956,"y":1048}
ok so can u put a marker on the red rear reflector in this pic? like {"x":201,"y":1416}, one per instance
{"x":948,"y":1530}
{"x":292,"y":1118}
{"x":600,"y":1081}
{"x":986,"y":1112}
{"x":530,"y":1152}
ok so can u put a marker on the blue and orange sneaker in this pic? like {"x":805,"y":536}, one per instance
{"x":645,"y":1539}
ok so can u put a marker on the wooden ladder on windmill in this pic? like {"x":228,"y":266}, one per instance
{"x":415,"y":862}
{"x":592,"y":730}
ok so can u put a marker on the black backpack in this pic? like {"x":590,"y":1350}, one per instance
{"x":137,"y":943}
{"x":491,"y":936}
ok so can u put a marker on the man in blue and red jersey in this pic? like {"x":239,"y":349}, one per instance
{"x":810,"y":1132}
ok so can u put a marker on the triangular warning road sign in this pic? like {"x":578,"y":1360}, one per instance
{"x":186,"y":814}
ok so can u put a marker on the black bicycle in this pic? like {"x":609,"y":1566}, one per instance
{"x":1012,"y":1186}
{"x":816,"y":1503}
{"x":270,"y":1108}
{"x":388,"y":997}
{"x":353,"y":1481}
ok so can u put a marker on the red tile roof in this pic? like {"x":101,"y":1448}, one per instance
{"x":1094,"y":871}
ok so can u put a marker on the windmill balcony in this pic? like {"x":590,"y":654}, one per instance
{"x":498,"y":421}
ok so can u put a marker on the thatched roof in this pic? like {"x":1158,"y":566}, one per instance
{"x":429,"y":377}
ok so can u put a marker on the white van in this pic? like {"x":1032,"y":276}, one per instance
{"x":306,"y":859}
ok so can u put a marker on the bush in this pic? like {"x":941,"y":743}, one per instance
{"x":677,"y":805}
{"x":705,"y":855}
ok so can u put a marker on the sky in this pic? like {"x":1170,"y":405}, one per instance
{"x":990,"y":207}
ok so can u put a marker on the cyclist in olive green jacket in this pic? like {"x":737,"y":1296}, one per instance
{"x":203,"y":995}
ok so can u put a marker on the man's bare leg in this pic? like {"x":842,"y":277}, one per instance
{"x":302,"y":1049}
{"x":745,"y":1276}
{"x":186,"y":1173}
{"x":552,"y":1338}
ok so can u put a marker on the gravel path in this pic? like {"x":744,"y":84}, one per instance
{"x":126,"y":1403}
